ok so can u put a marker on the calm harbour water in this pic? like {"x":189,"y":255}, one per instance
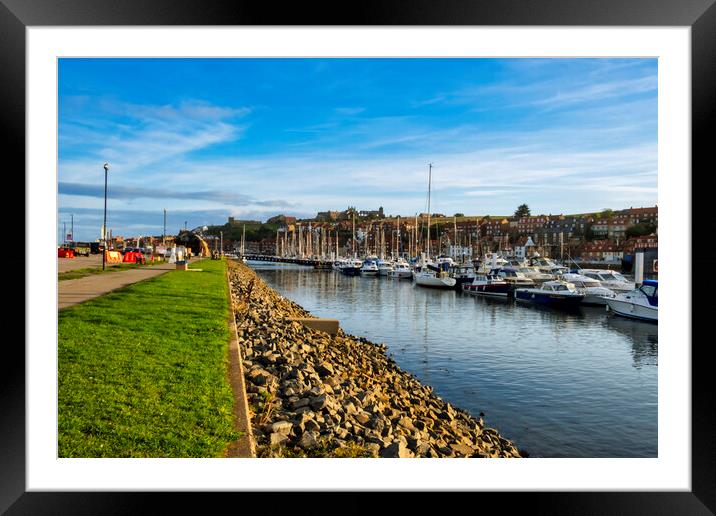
{"x":558,"y":384}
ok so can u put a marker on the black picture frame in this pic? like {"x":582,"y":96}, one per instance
{"x":699,"y":15}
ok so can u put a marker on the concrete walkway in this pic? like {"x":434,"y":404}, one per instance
{"x":72,"y":292}
{"x":79,"y":262}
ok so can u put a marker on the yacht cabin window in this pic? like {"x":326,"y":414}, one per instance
{"x":649,"y":290}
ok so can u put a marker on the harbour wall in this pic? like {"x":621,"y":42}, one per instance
{"x":314,"y":394}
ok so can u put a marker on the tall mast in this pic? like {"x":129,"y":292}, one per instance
{"x":354,"y":234}
{"x":397,"y":242}
{"x":415,"y":238}
{"x":300,"y":244}
{"x":430,"y":176}
{"x":243,"y":240}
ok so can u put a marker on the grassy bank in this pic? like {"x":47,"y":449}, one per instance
{"x":142,"y":371}
{"x":88,"y":271}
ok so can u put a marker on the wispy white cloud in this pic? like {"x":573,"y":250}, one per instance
{"x":601,"y":91}
{"x":133,"y":137}
{"x":578,"y":142}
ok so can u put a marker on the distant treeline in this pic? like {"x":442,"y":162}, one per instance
{"x":254,"y":232}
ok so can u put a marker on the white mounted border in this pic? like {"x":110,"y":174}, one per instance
{"x":670,"y":471}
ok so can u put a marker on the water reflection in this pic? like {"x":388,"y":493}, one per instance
{"x":644,"y":338}
{"x":561,"y":384}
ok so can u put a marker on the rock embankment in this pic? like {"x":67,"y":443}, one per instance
{"x":313,"y":394}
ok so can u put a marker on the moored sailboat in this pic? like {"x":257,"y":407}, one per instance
{"x":427,"y":277}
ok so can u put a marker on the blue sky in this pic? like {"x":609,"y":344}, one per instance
{"x":252,"y":138}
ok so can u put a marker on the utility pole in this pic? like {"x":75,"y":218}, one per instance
{"x":72,"y":227}
{"x":64,"y":233}
{"x":164,"y":234}
{"x":104,"y":226}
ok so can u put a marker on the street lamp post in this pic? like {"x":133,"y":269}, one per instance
{"x":104,"y":226}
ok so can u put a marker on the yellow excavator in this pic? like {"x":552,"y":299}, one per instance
{"x":204,"y":246}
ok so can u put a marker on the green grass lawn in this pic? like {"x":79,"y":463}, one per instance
{"x":143,"y":370}
{"x":81,"y":273}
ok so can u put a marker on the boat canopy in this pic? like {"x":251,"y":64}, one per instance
{"x":650,"y":288}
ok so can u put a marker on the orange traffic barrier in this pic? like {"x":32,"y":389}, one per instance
{"x":113,"y":257}
{"x":133,"y":257}
{"x":65,"y":253}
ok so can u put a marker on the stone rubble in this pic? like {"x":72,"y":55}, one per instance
{"x":310,"y":391}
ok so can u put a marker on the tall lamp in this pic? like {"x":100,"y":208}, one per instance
{"x":104,"y":226}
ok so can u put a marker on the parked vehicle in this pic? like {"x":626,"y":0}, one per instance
{"x":81,"y":248}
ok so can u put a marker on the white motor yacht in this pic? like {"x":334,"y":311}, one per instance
{"x":513,"y":277}
{"x":641,"y":303}
{"x":490,"y":261}
{"x":487,"y":285}
{"x":429,"y":278}
{"x":369,"y":268}
{"x":610,"y":279}
{"x":535,"y":274}
{"x":384,"y":267}
{"x":401,"y":269}
{"x":594,"y":292}
{"x":546,"y":265}
{"x":351,"y":267}
{"x":558,"y":294}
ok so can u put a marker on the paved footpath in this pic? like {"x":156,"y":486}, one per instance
{"x":72,"y":292}
{"x":79,"y":262}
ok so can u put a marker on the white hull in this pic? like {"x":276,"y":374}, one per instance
{"x":368,"y":273}
{"x":633,"y":310}
{"x":596,"y":295}
{"x":435,"y":282}
{"x":385,"y":271}
{"x":593,"y":299}
{"x":400,"y":274}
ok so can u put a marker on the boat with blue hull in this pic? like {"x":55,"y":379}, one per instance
{"x":557,"y":294}
{"x":351,"y":267}
{"x":641,"y":303}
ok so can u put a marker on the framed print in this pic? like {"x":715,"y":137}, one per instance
{"x":616,"y":99}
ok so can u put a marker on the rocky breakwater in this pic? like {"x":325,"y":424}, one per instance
{"x":313,"y":394}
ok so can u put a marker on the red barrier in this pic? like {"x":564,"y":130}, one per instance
{"x":65,"y":253}
{"x":133,"y":257}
